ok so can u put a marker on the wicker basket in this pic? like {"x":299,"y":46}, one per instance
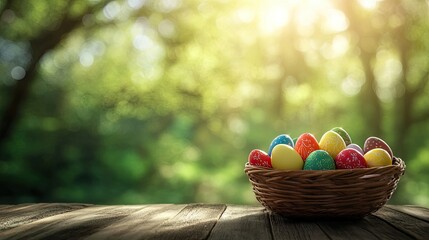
{"x":349,"y":193}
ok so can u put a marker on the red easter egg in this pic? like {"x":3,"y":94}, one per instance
{"x":259,"y":158}
{"x":350,"y":158}
{"x":375,"y":142}
{"x":306,"y":144}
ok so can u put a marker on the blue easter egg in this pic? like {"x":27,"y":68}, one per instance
{"x":281,"y":139}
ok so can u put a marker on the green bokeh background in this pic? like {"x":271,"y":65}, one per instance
{"x":144,"y":101}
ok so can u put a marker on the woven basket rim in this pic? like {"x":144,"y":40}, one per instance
{"x":397,"y":163}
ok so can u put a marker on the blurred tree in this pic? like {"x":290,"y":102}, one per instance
{"x":42,"y":37}
{"x":368,"y":43}
{"x":399,"y":27}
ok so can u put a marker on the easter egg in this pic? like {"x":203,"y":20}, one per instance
{"x":306,"y":144}
{"x":375,"y":142}
{"x":319,"y":160}
{"x":377,"y":157}
{"x":294,"y":141}
{"x":284,"y":157}
{"x":344,"y":135}
{"x":356,"y":147}
{"x":259,"y":158}
{"x":350,"y":158}
{"x":332,"y":142}
{"x":281,"y":139}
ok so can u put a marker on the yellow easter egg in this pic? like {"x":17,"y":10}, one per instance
{"x":377,"y":157}
{"x":284,"y":157}
{"x":332,"y":142}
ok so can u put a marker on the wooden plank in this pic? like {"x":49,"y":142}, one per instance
{"x":135,"y":225}
{"x":346,"y":229}
{"x":17,"y":206}
{"x":2,"y":206}
{"x":382,"y":229}
{"x":242,"y":222}
{"x":70,"y":225}
{"x":34,"y":207}
{"x":369,"y":227}
{"x":415,"y":211}
{"x":17,"y":215}
{"x":195,"y":221}
{"x":284,"y":228}
{"x":412,"y":226}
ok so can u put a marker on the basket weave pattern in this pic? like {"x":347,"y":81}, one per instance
{"x":331,"y":193}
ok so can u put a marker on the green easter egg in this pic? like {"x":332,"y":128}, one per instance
{"x":319,"y":160}
{"x":344,"y":135}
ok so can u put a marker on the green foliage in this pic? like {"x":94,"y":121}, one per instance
{"x":163,"y":101}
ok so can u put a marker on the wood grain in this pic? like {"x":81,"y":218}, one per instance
{"x":242,"y":222}
{"x":346,"y":229}
{"x":137,"y":224}
{"x":405,"y":223}
{"x":70,"y":225}
{"x":14,"y":207}
{"x":382,"y":229}
{"x":195,"y":221}
{"x":284,"y":228}
{"x":4,"y":206}
{"x":199,"y":221}
{"x":415,"y":211}
{"x":369,"y":227}
{"x":17,"y":215}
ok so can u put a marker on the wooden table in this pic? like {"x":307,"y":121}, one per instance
{"x":199,"y":221}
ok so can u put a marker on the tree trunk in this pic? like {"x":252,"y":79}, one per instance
{"x":18,"y":97}
{"x":371,"y":106}
{"x":44,"y":42}
{"x":371,"y":109}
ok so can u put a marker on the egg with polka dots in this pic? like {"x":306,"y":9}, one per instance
{"x":284,"y":157}
{"x":319,"y":160}
{"x":281,"y":139}
{"x":332,"y":143}
{"x":356,"y":147}
{"x":350,"y":158}
{"x":259,"y":158}
{"x":375,"y":142}
{"x":377,"y":157}
{"x":345,"y":135}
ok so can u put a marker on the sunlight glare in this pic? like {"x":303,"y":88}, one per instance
{"x":245,"y":15}
{"x":273,"y":15}
{"x":338,"y":47}
{"x":306,"y":18}
{"x":336,"y":21}
{"x":273,"y":18}
{"x":368,"y":4}
{"x":143,"y":42}
{"x":351,"y":86}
